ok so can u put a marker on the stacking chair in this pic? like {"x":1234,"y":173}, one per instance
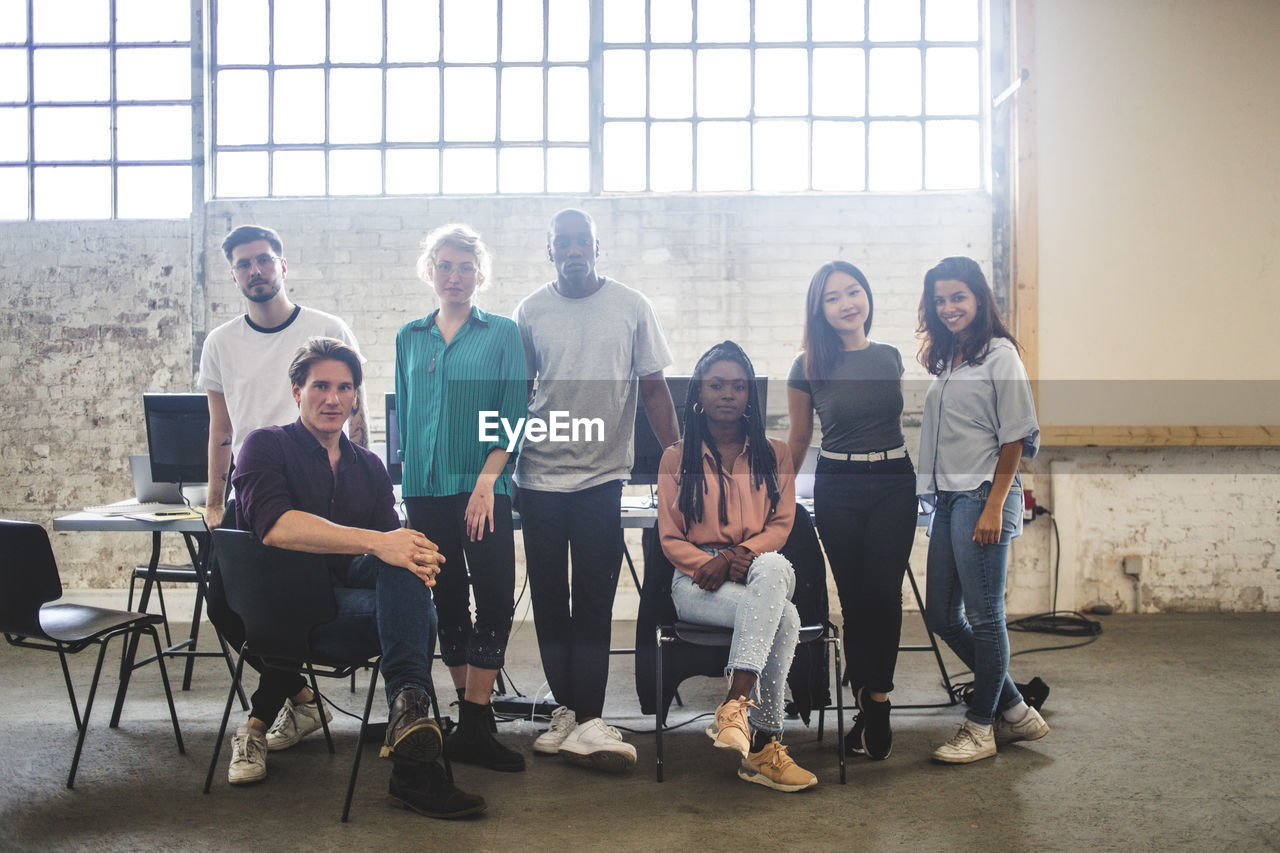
{"x":29,"y":581}
{"x":281,"y":596}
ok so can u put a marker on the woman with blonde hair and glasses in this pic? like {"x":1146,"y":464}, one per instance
{"x":451,"y":365}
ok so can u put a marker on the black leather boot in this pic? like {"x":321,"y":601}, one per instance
{"x":472,"y":742}
{"x":412,"y":733}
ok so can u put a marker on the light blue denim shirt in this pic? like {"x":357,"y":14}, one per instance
{"x":971,"y":411}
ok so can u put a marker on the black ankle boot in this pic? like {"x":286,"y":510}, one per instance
{"x":412,"y":732}
{"x":877,"y":736}
{"x":426,"y":789}
{"x":472,"y":742}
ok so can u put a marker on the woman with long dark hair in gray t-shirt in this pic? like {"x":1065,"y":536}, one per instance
{"x":864,"y":490}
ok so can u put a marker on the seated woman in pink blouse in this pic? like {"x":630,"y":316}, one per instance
{"x":726,"y":500}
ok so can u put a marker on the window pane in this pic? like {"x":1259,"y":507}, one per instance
{"x":242,"y":107}
{"x":568,"y":170}
{"x":521,"y":30}
{"x":469,"y":170}
{"x":724,"y":20}
{"x":780,"y":20}
{"x":624,"y":156}
{"x":242,"y":33}
{"x":153,"y":192}
{"x":70,"y":21}
{"x":894,"y":156}
{"x":839,"y":81}
{"x":951,"y":20}
{"x":13,"y":134}
{"x":413,"y":32}
{"x":13,"y":193}
{"x":73,"y":133}
{"x":413,"y":105}
{"x":470,"y":32}
{"x":355,"y":105}
{"x":299,"y":32}
{"x":671,"y":157}
{"x":160,"y":74}
{"x":780,"y":157}
{"x":724,"y":83}
{"x":670,"y":20}
{"x":568,"y":31}
{"x":73,"y":192}
{"x":297,"y":173}
{"x":724,"y":158}
{"x":671,"y":83}
{"x":624,"y":83}
{"x":13,"y":75}
{"x":894,"y":20}
{"x":624,"y":20}
{"x":153,"y":133}
{"x":567,"y":105}
{"x":782,"y":83}
{"x":413,"y":171}
{"x":839,"y":151}
{"x":470,"y":103}
{"x":951,"y":81}
{"x":895,"y":82}
{"x":355,"y":31}
{"x":242,"y":174}
{"x":13,"y":27}
{"x":952,"y":158}
{"x":299,"y":105}
{"x":837,"y":20}
{"x":520,"y":170}
{"x":355,"y":172}
{"x":153,"y":20}
{"x":72,"y":75}
{"x":522,"y":104}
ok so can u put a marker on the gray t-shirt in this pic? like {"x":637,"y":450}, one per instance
{"x":860,"y":405}
{"x":587,"y":356}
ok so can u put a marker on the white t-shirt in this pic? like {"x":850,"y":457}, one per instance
{"x":587,"y":355}
{"x":249,"y":365}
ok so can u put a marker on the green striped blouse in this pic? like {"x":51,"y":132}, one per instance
{"x":440,"y":392}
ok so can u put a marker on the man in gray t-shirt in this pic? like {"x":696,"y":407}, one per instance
{"x":592,"y":345}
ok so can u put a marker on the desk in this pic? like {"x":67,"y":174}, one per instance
{"x":196,"y":537}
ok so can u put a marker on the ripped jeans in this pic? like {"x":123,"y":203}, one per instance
{"x":765,"y":627}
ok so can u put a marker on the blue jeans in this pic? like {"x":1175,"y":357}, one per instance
{"x":765,"y":626}
{"x":382,"y":608}
{"x":965,"y":594}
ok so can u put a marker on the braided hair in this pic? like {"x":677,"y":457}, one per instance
{"x":760,"y":458}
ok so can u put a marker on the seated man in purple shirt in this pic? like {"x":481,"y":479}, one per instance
{"x":306,"y":487}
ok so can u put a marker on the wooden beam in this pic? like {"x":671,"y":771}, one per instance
{"x":1160,"y":436}
{"x":1026,"y":282}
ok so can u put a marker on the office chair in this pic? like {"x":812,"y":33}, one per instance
{"x":29,"y":580}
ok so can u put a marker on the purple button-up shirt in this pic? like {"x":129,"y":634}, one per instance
{"x":283,"y":467}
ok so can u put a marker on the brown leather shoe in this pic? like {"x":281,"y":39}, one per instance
{"x":412,"y":733}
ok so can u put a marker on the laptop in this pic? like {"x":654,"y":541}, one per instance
{"x":147,"y":491}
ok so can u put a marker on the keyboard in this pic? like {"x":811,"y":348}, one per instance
{"x":133,"y":507}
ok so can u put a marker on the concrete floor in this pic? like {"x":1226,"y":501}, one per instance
{"x":1164,"y":737}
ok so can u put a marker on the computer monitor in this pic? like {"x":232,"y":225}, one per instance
{"x":393,"y":439}
{"x":648,"y":452}
{"x":177,"y":437}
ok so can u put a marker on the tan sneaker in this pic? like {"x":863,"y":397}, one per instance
{"x":773,"y":768}
{"x":730,"y":729}
{"x":966,"y":746}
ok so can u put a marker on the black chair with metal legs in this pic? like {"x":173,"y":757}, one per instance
{"x":29,"y":581}
{"x":281,"y":596}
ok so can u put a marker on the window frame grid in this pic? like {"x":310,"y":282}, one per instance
{"x":112,"y":103}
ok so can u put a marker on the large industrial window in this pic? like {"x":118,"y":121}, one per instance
{"x":356,"y":97}
{"x":95,"y":109}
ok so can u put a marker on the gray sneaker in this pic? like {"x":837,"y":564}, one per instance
{"x":563,"y":722}
{"x":294,"y":722}
{"x":1030,"y":727}
{"x":248,"y":757}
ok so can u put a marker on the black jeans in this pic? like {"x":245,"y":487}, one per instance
{"x":487,"y":566}
{"x":574,"y":642}
{"x":866,"y":515}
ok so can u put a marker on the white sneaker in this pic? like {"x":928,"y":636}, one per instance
{"x":248,"y":757}
{"x":1030,"y":727}
{"x":563,"y":721}
{"x":294,"y":722}
{"x":966,"y":746}
{"x":597,"y":744}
